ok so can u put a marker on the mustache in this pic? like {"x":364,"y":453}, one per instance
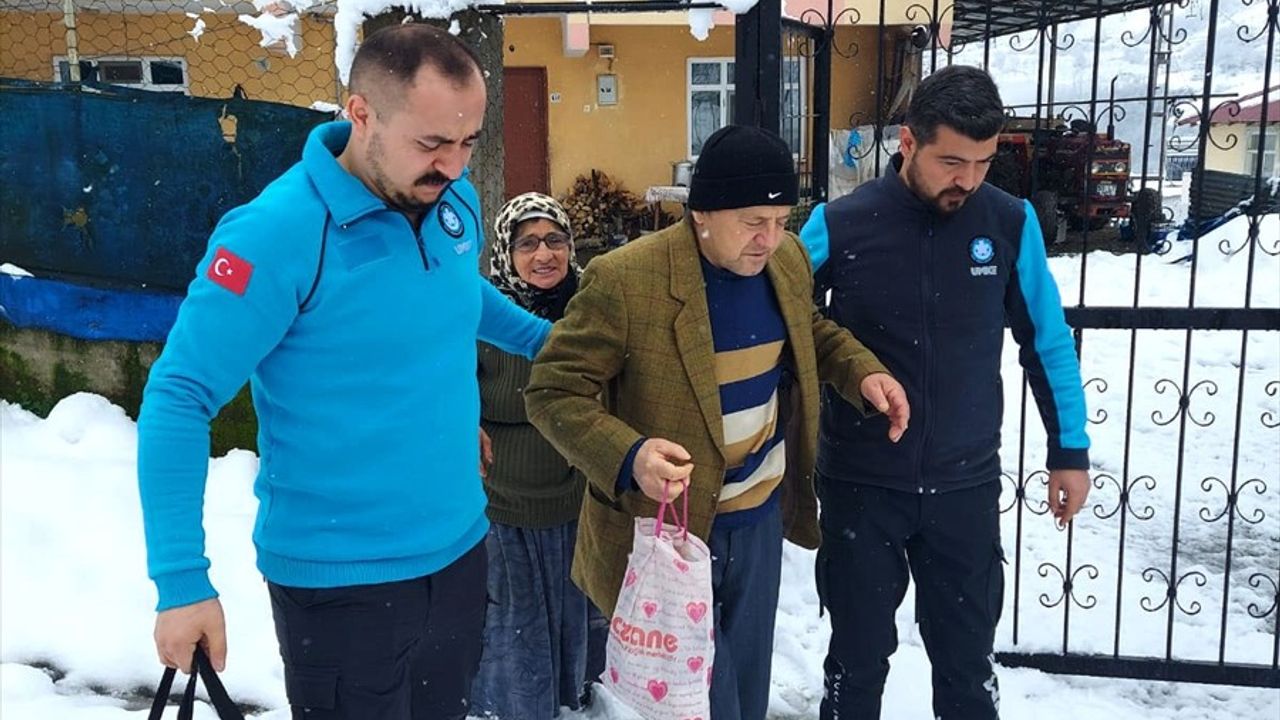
{"x":433,"y":178}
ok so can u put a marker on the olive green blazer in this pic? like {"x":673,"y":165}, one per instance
{"x":633,"y":357}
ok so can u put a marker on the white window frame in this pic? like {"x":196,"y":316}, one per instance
{"x":724,"y":87}
{"x":1253,"y":142}
{"x":145,"y":61}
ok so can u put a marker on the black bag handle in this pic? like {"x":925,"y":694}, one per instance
{"x":226,"y":709}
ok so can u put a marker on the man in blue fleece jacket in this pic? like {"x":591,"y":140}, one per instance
{"x":348,"y":293}
{"x":926,"y":265}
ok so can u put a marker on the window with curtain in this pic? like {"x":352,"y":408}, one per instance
{"x":711,"y":95}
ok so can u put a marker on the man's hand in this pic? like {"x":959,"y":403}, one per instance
{"x":179,"y":629}
{"x":886,"y":395}
{"x":1067,"y":492}
{"x":662,"y":463}
{"x":486,"y":453}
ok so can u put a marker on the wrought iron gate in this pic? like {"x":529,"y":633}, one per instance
{"x":1174,"y":313}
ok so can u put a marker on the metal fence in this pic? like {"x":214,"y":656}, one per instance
{"x":282,"y":53}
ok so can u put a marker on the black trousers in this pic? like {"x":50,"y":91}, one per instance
{"x":873,"y":539}
{"x":403,"y":650}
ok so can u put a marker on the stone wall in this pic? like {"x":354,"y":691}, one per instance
{"x":39,"y":368}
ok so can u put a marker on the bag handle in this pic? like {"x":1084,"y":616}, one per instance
{"x":226,"y":709}
{"x":681,"y":522}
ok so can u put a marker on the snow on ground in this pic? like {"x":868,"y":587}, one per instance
{"x":1214,"y":373}
{"x":75,"y":598}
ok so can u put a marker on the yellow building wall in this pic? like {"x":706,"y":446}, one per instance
{"x":1228,"y":149}
{"x":636,"y":140}
{"x":226,"y":55}
{"x":853,"y":79}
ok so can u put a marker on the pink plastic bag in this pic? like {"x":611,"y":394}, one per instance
{"x":661,"y":638}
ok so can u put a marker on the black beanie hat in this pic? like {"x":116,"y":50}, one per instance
{"x":742,"y":166}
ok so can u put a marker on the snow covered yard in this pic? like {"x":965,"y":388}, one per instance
{"x":76,"y":607}
{"x":75,"y":598}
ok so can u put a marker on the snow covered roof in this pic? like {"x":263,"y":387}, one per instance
{"x":1246,"y":109}
{"x":1014,"y":16}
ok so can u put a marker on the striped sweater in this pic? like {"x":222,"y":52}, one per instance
{"x":749,"y":336}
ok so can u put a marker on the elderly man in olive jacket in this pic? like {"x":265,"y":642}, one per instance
{"x":689,"y":361}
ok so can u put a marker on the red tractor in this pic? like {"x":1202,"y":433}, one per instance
{"x":1069,"y":185}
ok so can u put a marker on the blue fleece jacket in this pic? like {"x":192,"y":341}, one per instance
{"x":358,"y":336}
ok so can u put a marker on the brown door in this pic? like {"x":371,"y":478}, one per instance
{"x":524,"y":130}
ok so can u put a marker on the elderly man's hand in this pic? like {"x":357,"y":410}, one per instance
{"x":662,"y":463}
{"x":886,"y":395}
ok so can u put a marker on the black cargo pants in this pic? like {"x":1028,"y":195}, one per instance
{"x":873,"y":539}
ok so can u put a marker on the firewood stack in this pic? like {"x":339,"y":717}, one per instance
{"x":601,"y":209}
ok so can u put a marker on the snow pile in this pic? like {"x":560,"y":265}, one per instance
{"x":277,"y":23}
{"x":326,"y":106}
{"x":75,"y":594}
{"x":700,"y":22}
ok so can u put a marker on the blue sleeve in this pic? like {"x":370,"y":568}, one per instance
{"x":1047,"y":350}
{"x":817,"y":241}
{"x":626,"y":480}
{"x":508,"y":326}
{"x":221,"y":334}
{"x":814,"y":236}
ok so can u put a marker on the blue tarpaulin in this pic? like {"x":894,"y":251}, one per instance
{"x":86,"y":312}
{"x":109,"y":195}
{"x":123,"y":186}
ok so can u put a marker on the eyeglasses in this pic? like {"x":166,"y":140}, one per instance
{"x":529,"y":243}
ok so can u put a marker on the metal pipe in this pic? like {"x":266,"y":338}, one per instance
{"x":820,"y":134}
{"x":73,"y":40}
{"x":1053,"y":70}
{"x":1142,"y":98}
{"x":628,"y":6}
{"x":1186,"y":388}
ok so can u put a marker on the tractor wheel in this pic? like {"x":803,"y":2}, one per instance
{"x":1052,"y":225}
{"x":1145,"y":214}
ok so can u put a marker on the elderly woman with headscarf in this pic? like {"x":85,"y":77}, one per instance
{"x":544,"y":641}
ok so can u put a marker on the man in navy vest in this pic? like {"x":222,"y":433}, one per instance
{"x":925,"y":265}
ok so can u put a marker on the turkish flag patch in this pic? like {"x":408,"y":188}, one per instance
{"x":230,"y":271}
